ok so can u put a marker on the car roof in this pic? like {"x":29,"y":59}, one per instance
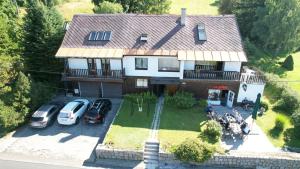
{"x":71,"y":105}
{"x":42,"y":110}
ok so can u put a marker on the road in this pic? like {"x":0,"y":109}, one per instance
{"x":10,"y":164}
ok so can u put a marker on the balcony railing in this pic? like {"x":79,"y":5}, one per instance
{"x":213,"y":75}
{"x":98,"y":73}
{"x":253,"y":78}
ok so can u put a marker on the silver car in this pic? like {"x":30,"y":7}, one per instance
{"x":45,"y":115}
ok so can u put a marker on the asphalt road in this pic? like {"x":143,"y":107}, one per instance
{"x":10,"y":164}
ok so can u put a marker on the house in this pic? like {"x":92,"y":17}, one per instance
{"x":108,"y":55}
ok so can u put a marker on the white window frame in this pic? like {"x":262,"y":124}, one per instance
{"x":141,"y":83}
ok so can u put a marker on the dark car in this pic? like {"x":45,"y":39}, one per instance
{"x":45,"y":115}
{"x":98,"y":111}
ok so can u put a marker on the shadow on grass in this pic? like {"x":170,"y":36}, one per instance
{"x":275,"y":132}
{"x":216,"y":3}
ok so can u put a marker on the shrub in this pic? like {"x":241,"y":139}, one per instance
{"x":193,"y":150}
{"x":211,"y":131}
{"x":296,"y":118}
{"x":202,"y":103}
{"x":108,"y":7}
{"x":288,"y":63}
{"x":264,"y":105}
{"x":289,"y":101}
{"x":184,"y":100}
{"x":9,"y":118}
{"x":279,"y":123}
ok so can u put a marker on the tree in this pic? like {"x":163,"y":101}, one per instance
{"x":278,"y":26}
{"x":21,"y":90}
{"x":43,"y":32}
{"x":227,"y":6}
{"x":108,"y":7}
{"x":288,"y":63}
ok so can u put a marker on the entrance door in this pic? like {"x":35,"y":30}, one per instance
{"x":105,"y":65}
{"x":92,"y":66}
{"x":230,"y":98}
{"x":158,"y":89}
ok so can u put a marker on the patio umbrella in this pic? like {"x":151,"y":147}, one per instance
{"x":256,"y":107}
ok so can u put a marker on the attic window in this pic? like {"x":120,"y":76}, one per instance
{"x":201,"y":32}
{"x":144,"y":37}
{"x":100,"y":36}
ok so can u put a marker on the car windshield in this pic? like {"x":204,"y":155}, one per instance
{"x":92,"y":113}
{"x":37,"y":118}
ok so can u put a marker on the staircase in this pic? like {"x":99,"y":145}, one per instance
{"x":151,"y":154}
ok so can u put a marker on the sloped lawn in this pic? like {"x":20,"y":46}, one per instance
{"x":176,"y":125}
{"x":130,"y":131}
{"x":195,"y":7}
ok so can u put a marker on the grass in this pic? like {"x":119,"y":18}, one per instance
{"x":195,"y":7}
{"x":176,"y":125}
{"x":267,"y":124}
{"x":295,"y":74}
{"x":130,"y":131}
{"x":71,"y":7}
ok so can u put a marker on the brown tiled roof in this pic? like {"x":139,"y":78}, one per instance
{"x":164,"y":32}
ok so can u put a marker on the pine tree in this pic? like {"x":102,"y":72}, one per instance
{"x":43,"y":32}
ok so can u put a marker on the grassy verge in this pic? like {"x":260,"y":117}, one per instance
{"x":176,"y":125}
{"x":194,"y":7}
{"x":129,"y":131}
{"x":295,"y":74}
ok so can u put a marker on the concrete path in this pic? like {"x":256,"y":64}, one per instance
{"x":156,"y":119}
{"x":256,"y":141}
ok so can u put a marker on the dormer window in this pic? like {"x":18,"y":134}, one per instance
{"x":201,"y":32}
{"x":100,"y":36}
{"x":144,"y":37}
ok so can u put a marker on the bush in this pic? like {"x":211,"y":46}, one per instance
{"x":202,"y":103}
{"x":296,"y":118}
{"x":184,"y":100}
{"x":108,"y":7}
{"x":288,"y":63}
{"x":193,"y":150}
{"x":279,"y":123}
{"x":9,"y":118}
{"x":264,"y":105}
{"x":211,"y":131}
{"x":289,"y":101}
{"x":40,"y":94}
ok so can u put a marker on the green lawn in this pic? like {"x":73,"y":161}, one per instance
{"x":130,"y":131}
{"x":201,"y":7}
{"x":68,"y":9}
{"x":178,"y":124}
{"x":295,"y":74}
{"x":267,"y":123}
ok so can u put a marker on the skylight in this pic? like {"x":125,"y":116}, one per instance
{"x":100,"y":36}
{"x":144,"y":37}
{"x":201,"y":32}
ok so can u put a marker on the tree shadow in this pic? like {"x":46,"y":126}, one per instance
{"x":275,"y":132}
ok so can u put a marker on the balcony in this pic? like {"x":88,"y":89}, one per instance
{"x":92,"y":75}
{"x":212,"y":75}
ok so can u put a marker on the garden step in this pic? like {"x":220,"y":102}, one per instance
{"x":150,"y":153}
{"x":148,"y":161}
{"x":151,"y":158}
{"x":152,"y":145}
{"x":155,"y":149}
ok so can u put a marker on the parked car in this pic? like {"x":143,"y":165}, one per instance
{"x":98,"y":111}
{"x":45,"y":115}
{"x":73,"y":111}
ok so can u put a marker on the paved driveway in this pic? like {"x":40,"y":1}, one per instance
{"x":75,"y":142}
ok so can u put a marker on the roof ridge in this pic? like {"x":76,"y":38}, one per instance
{"x":153,"y":15}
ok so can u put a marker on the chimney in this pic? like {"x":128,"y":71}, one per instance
{"x":183,"y":16}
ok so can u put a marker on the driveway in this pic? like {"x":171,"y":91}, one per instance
{"x":75,"y":142}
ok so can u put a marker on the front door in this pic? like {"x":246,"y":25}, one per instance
{"x":230,"y":98}
{"x":105,"y":65}
{"x":92,"y":66}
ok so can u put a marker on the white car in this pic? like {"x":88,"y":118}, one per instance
{"x":72,"y":112}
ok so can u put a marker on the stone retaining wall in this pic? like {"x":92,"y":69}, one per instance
{"x":276,"y":160}
{"x":103,"y":152}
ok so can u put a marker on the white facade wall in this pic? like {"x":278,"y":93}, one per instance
{"x":189,"y":65}
{"x":129,"y":65}
{"x":232,"y":66}
{"x":75,"y":63}
{"x":115,"y":64}
{"x":251,"y":93}
{"x":98,"y":63}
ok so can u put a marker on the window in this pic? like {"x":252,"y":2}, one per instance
{"x":78,"y":107}
{"x":141,"y":83}
{"x":141,"y":63}
{"x":51,"y":111}
{"x":168,"y":65}
{"x":214,"y":95}
{"x":206,"y":65}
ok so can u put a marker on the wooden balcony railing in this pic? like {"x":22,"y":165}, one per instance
{"x":213,"y":75}
{"x":253,"y":78}
{"x":98,"y":73}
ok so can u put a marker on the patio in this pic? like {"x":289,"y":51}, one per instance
{"x":255,"y":141}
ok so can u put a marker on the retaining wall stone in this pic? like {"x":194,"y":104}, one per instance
{"x":104,"y":152}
